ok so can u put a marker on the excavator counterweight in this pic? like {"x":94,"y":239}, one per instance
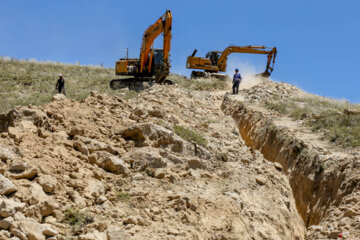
{"x":153,"y":64}
{"x":216,"y":61}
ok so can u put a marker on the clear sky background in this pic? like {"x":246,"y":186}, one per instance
{"x":317,"y":41}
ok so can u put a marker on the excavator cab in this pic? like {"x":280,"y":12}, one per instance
{"x":158,"y":58}
{"x":213,"y":56}
{"x":153,"y":64}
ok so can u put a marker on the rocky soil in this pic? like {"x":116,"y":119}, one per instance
{"x":324,"y":177}
{"x":106,"y":168}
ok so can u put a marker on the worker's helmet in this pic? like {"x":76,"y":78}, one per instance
{"x":60,"y":75}
{"x":236,"y":69}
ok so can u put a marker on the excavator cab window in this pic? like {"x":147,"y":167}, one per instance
{"x":213,"y":56}
{"x":158,"y":57}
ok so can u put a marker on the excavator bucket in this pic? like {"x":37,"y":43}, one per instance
{"x":265,"y":74}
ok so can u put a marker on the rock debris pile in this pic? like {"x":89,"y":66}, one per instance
{"x":106,"y":168}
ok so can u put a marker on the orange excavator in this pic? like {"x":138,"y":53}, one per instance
{"x":153,"y":64}
{"x":215,"y":61}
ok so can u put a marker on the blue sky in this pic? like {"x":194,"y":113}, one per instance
{"x":317,"y":41}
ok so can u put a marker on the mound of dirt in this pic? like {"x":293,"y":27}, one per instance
{"x":106,"y":168}
{"x":323,"y":176}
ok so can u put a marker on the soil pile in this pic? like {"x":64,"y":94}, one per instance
{"x":172,"y":163}
{"x":106,"y":168}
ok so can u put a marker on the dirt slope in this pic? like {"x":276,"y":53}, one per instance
{"x":324,"y":176}
{"x":106,"y":168}
{"x":121,"y":164}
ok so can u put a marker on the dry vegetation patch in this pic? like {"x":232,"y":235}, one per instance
{"x":323,"y":115}
{"x":209,"y":84}
{"x":75,"y":217}
{"x":190,"y":135}
{"x":30,"y":82}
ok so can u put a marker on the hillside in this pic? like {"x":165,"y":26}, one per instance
{"x":30,"y":82}
{"x":188,"y":161}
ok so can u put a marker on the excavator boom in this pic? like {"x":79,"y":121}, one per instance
{"x":153,"y":64}
{"x":167,"y":36}
{"x":162,"y":25}
{"x":216,"y":61}
{"x":270,"y":52}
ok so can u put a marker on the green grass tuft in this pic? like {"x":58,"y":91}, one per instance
{"x":130,"y":94}
{"x":190,"y":135}
{"x":123,"y":196}
{"x":74,"y":217}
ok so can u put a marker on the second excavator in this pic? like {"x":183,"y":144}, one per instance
{"x":216,"y":61}
{"x":153,"y":64}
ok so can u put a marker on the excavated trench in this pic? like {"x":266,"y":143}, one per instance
{"x":315,"y":189}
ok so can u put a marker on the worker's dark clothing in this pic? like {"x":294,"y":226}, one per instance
{"x":236,"y":83}
{"x":60,"y":85}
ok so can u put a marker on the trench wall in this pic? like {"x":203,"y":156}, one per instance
{"x":314,"y":188}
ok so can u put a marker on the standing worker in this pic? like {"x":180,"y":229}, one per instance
{"x":60,"y":85}
{"x":236,"y":81}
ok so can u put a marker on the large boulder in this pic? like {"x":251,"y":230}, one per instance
{"x":95,"y":235}
{"x":146,"y":134}
{"x":6,"y":154}
{"x":81,"y":147}
{"x":134,"y":133}
{"x":196,"y":164}
{"x":144,"y":157}
{"x":37,"y":194}
{"x":109,"y":163}
{"x":92,"y":145}
{"x":5,"y":223}
{"x":14,"y":117}
{"x":9,"y":207}
{"x":47,"y":207}
{"x":6,"y":186}
{"x":27,"y":174}
{"x":18,"y":166}
{"x":115,"y":232}
{"x":95,"y":188}
{"x":48,"y":183}
{"x":32,"y":230}
{"x":58,"y":97}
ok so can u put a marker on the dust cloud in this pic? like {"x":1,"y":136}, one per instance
{"x":248,"y":73}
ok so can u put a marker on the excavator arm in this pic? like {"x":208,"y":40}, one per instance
{"x":167,"y":36}
{"x":153,"y":64}
{"x":163,"y":24}
{"x":215,"y":61}
{"x":271,"y":55}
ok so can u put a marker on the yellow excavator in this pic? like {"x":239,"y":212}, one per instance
{"x":215,"y":61}
{"x":153,"y":64}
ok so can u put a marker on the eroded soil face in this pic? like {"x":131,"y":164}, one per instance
{"x":324,"y":176}
{"x":106,"y":168}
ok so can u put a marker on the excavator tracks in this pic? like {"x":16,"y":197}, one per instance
{"x":199,"y":74}
{"x":131,"y":83}
{"x":136,"y":83}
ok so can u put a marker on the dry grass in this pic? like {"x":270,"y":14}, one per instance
{"x":340,"y":128}
{"x":30,"y":82}
{"x":323,"y":115}
{"x":74,"y":216}
{"x":208,"y":84}
{"x":123,"y":196}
